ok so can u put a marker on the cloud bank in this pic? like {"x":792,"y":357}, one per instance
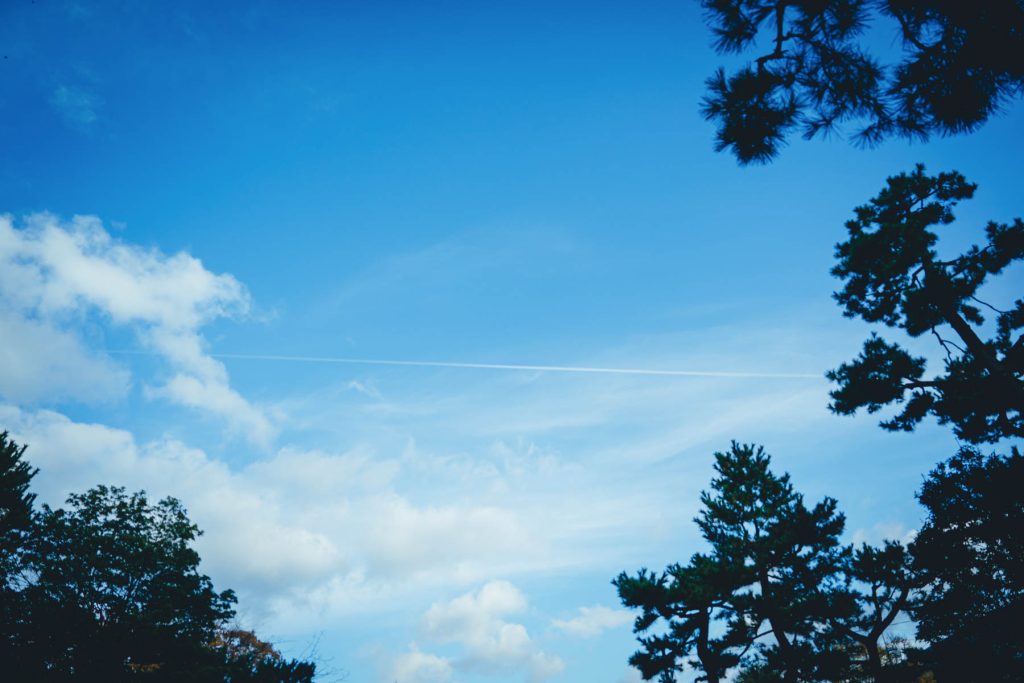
{"x":58,"y":277}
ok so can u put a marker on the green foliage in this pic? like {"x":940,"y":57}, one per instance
{"x":893,"y":275}
{"x":109,"y":589}
{"x":691,"y":599}
{"x":116,"y":587}
{"x":771,"y":587}
{"x":971,"y":547}
{"x":124,"y":559}
{"x":784,"y":554}
{"x":971,"y":553}
{"x":960,"y":62}
{"x":880,"y":584}
{"x":15,"y":505}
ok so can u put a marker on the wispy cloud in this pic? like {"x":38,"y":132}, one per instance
{"x":654,"y":372}
{"x":593,"y":621}
{"x":77,"y":106}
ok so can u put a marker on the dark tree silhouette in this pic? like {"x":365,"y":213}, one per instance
{"x":247,"y":659}
{"x":882,"y":584}
{"x":693,"y":601}
{"x":116,"y":589}
{"x":109,"y":590}
{"x":787,"y":556}
{"x":971,"y":552}
{"x":893,"y":275}
{"x":772,"y":582}
{"x":15,"y":523}
{"x":15,"y":504}
{"x":960,"y":62}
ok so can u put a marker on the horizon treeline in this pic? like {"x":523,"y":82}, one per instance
{"x":109,"y":589}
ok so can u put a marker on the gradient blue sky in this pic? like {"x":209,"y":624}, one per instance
{"x":524,"y":183}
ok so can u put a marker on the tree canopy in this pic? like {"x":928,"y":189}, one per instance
{"x":109,"y":589}
{"x":15,"y":504}
{"x":975,"y":520}
{"x":960,"y":61}
{"x":893,"y":274}
{"x":777,"y":594}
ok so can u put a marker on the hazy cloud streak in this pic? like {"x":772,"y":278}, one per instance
{"x":509,"y":366}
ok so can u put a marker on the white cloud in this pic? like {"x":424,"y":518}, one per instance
{"x":56,"y":275}
{"x":421,"y":667}
{"x":490,"y":645}
{"x":453,"y":539}
{"x":40,"y":361}
{"x":251,"y":539}
{"x":298,"y":533}
{"x":593,"y":621}
{"x":880,"y":532}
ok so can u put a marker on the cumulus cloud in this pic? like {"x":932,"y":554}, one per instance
{"x":444,"y":538}
{"x":298,"y":533}
{"x":593,"y":621}
{"x":55,"y":275}
{"x":251,"y":539}
{"x":421,"y":667}
{"x":490,"y":645}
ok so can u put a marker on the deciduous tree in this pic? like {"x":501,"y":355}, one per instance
{"x":115,"y":589}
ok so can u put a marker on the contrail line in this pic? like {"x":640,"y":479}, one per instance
{"x":510,"y":366}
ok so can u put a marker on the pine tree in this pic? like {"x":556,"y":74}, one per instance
{"x":15,"y":504}
{"x":893,"y":275}
{"x":692,"y":600}
{"x":765,"y":594}
{"x":970,"y":553}
{"x":960,"y":62}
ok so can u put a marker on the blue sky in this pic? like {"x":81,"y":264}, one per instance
{"x":510,"y":183}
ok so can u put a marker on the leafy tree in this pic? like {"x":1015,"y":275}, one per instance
{"x":109,"y":590}
{"x":894,"y":275}
{"x":971,"y":552}
{"x":960,"y":62}
{"x":247,"y":659}
{"x":15,"y":523}
{"x":116,"y":590}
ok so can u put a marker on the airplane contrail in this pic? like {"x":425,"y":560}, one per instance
{"x":516,"y":366}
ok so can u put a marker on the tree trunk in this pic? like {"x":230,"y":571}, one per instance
{"x":874,"y":659}
{"x":711,"y":672}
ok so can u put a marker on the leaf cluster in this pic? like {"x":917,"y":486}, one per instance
{"x":15,"y":505}
{"x":971,"y":548}
{"x":960,"y":62}
{"x":777,"y":593}
{"x":893,"y":275}
{"x":109,"y":589}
